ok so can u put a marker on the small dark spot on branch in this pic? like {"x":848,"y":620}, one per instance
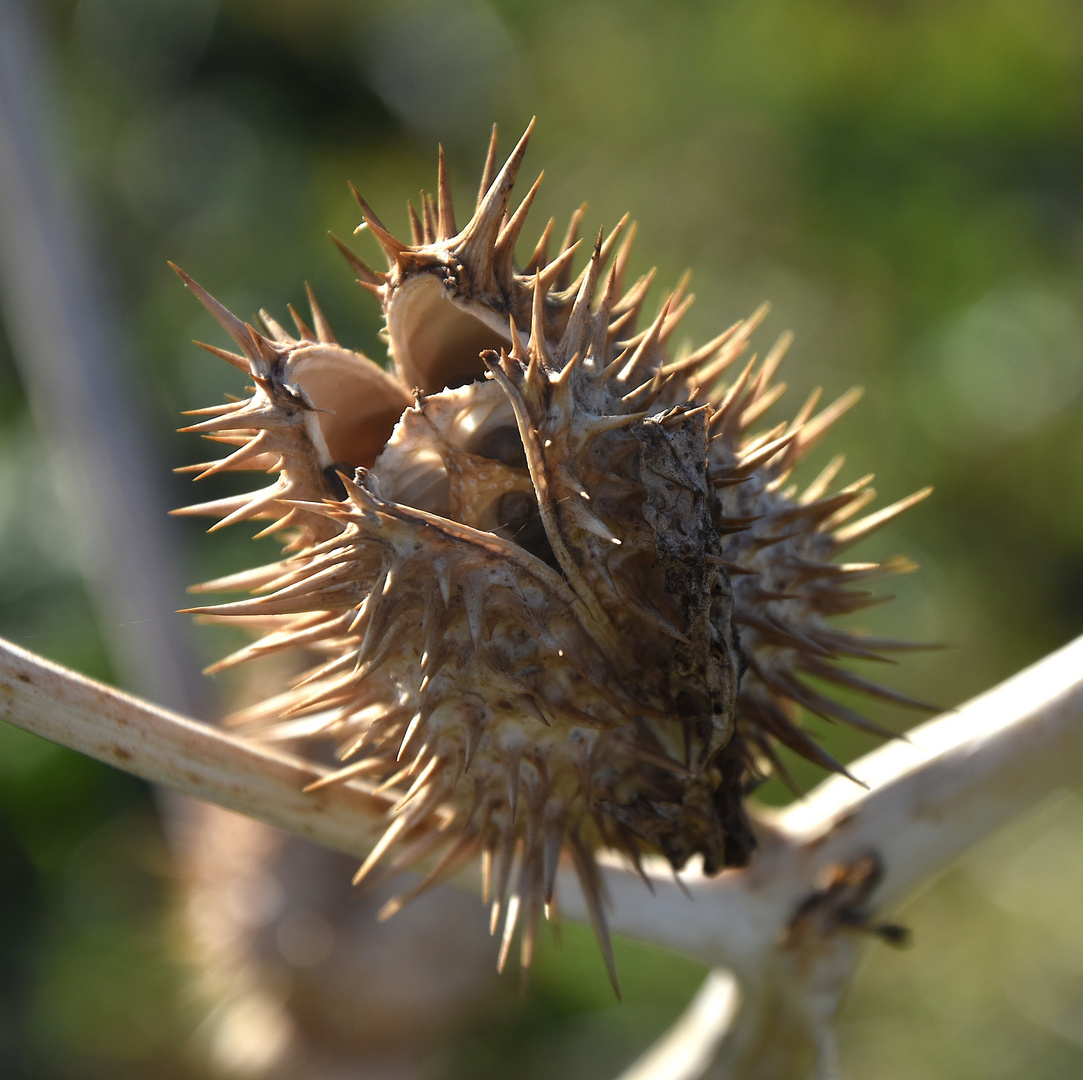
{"x":840,"y":903}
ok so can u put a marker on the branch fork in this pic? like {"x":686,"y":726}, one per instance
{"x":784,"y":933}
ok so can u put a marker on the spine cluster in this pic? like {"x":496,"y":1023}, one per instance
{"x":561,"y":590}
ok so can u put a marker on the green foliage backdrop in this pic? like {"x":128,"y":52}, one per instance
{"x":902,"y":181}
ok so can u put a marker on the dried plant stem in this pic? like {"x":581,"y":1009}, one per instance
{"x":691,"y":1045}
{"x":71,"y":348}
{"x":951,"y":782}
{"x":788,"y":927}
{"x":191,"y":758}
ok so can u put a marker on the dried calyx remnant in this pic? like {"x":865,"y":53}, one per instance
{"x":561,"y":590}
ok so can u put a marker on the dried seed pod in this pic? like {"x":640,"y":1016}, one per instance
{"x":562,"y":595}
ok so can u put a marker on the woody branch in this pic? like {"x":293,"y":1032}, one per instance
{"x":786,"y":926}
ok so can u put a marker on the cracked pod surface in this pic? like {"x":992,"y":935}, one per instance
{"x":561,"y":591}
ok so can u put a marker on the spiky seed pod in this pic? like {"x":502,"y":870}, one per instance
{"x":563,"y":595}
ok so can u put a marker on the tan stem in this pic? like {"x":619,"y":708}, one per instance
{"x":953,"y":781}
{"x":950,"y":783}
{"x":188,"y":757}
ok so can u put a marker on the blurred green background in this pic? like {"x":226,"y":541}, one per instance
{"x":901,"y":180}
